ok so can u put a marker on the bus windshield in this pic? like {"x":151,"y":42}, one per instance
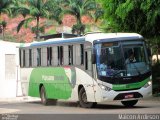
{"x":121,"y":60}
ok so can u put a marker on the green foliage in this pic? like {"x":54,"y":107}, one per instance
{"x":3,"y":24}
{"x":37,"y":9}
{"x":55,"y":12}
{"x":24,"y":22}
{"x":41,"y":29}
{"x":8,"y":37}
{"x":5,"y":6}
{"x":79,"y":8}
{"x":141,"y":16}
{"x":125,"y":8}
{"x":78,"y":29}
{"x":52,"y":31}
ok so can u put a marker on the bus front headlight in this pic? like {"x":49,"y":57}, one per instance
{"x":148,"y":84}
{"x":104,"y":87}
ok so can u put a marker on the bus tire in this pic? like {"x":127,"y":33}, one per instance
{"x":44,"y":99}
{"x":52,"y":101}
{"x":129,"y":103}
{"x":83,"y":99}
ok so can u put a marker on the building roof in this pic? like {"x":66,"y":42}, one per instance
{"x":59,"y":35}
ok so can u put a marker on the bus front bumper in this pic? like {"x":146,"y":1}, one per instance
{"x":124,"y":95}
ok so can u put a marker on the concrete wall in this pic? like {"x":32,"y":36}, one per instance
{"x":9,"y":70}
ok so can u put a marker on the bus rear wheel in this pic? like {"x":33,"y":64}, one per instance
{"x":83,"y":99}
{"x":44,"y":99}
{"x":129,"y":103}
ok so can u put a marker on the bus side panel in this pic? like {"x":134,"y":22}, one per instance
{"x":54,"y":80}
{"x":88,"y":83}
{"x":76,"y":77}
{"x":33,"y":89}
{"x":59,"y":82}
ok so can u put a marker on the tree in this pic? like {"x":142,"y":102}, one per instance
{"x":142,"y":16}
{"x":36,"y":9}
{"x":79,"y":8}
{"x":4,"y":8}
{"x":3,"y":25}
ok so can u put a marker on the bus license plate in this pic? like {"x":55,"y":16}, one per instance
{"x":128,"y":96}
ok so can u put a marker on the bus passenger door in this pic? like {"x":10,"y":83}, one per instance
{"x":88,"y":62}
{"x":89,"y":79}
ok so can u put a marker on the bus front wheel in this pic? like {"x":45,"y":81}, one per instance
{"x":129,"y":103}
{"x":83,"y":99}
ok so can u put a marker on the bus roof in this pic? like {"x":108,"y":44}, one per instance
{"x":110,"y":36}
{"x":59,"y":41}
{"x":89,"y":37}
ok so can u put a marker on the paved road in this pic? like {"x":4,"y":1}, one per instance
{"x":150,"y":106}
{"x":62,"y":107}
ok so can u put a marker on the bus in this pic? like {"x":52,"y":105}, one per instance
{"x":90,"y":69}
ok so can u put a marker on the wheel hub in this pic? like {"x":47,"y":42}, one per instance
{"x":84,"y":97}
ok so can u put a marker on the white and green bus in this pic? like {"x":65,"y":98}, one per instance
{"x":90,"y":69}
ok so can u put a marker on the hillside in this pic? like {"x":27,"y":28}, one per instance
{"x":51,"y":27}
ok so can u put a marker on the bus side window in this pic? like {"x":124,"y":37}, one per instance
{"x":38,"y":56}
{"x":65,"y":55}
{"x":24,"y":58}
{"x":78,"y":54}
{"x":30,"y":57}
{"x":60,"y":55}
{"x":44,"y":56}
{"x":58,"y":51}
{"x":86,"y":61}
{"x":49,"y":56}
{"x":74,"y":54}
{"x":55,"y":56}
{"x":82,"y":53}
{"x":20,"y":58}
{"x":70,"y":54}
{"x":34,"y":59}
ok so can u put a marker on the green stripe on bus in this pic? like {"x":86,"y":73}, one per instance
{"x":130,"y":86}
{"x":55,"y":81}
